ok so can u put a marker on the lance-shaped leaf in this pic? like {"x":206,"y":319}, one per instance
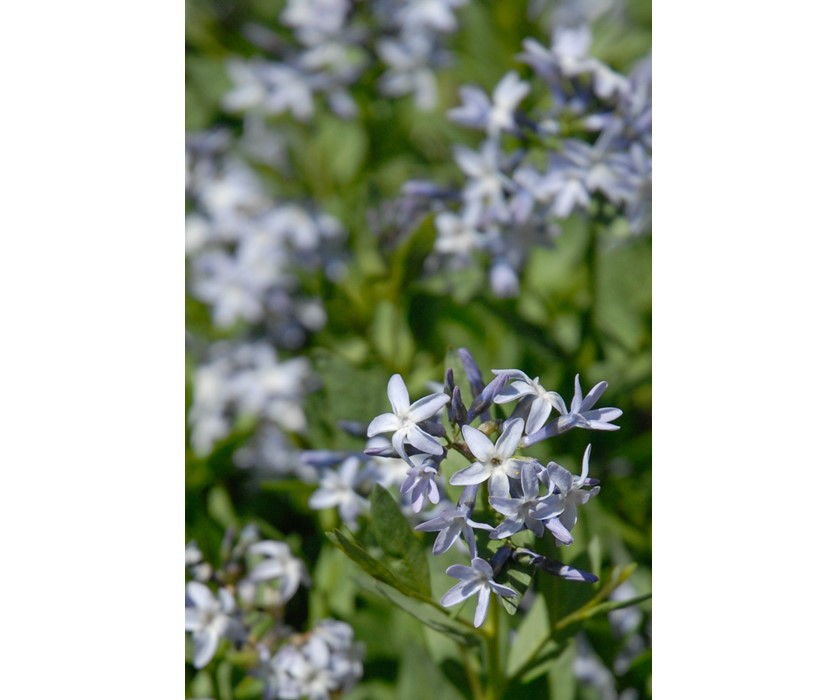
{"x":397,"y":539}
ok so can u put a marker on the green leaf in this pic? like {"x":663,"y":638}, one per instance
{"x":353,"y":549}
{"x":532,"y":634}
{"x":398,"y":540}
{"x":220,"y":507}
{"x":409,"y":258}
{"x":391,"y":335}
{"x":429,"y":614}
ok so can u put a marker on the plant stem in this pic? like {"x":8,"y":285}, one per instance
{"x":471,"y":674}
{"x":495,"y":680}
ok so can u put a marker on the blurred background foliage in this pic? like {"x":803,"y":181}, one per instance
{"x":584,"y":307}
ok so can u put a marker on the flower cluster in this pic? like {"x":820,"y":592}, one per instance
{"x":315,"y":665}
{"x":253,"y":584}
{"x":588,"y":151}
{"x":249,"y":254}
{"x":522,"y":493}
{"x":247,"y":381}
{"x":335,"y":43}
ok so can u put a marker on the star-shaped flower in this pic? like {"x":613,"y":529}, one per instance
{"x":494,"y":462}
{"x":528,"y":510}
{"x":543,"y":401}
{"x":405,"y":417}
{"x":582,"y":413}
{"x":209,"y":619}
{"x":571,"y":489}
{"x":477,"y":578}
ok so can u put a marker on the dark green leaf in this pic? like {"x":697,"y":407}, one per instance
{"x":398,"y":540}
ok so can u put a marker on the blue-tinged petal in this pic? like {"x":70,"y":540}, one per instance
{"x":593,"y":396}
{"x":204,"y":644}
{"x":547,"y":507}
{"x":475,"y":473}
{"x":268,"y":569}
{"x":199,"y":594}
{"x":513,"y":374}
{"x":481,"y":446}
{"x":539,"y":413}
{"x":577,"y":396}
{"x":507,"y":443}
{"x":422,"y":441}
{"x":500,"y":589}
{"x":557,"y":402}
{"x":194,"y":619}
{"x":323,"y":498}
{"x":460,"y":572}
{"x":460,"y":592}
{"x":498,"y":484}
{"x":482,"y":567}
{"x":561,"y":477}
{"x":482,"y":606}
{"x":529,"y":481}
{"x":398,"y":445}
{"x":397,"y":393}
{"x":507,"y":528}
{"x":446,"y":538}
{"x":427,"y":407}
{"x":506,"y":506}
{"x":585,"y":459}
{"x":385,"y":423}
{"x":560,"y":532}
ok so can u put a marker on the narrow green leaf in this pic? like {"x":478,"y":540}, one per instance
{"x":409,"y":258}
{"x":428,"y":614}
{"x":533,"y":633}
{"x":220,"y":507}
{"x":391,"y":334}
{"x":398,"y":540}
{"x":352,"y":549}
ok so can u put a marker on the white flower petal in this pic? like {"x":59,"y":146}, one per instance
{"x":482,"y":606}
{"x":475,"y":473}
{"x":384,"y":423}
{"x":427,"y":407}
{"x":397,"y":393}
{"x":480,"y":445}
{"x":508,"y":441}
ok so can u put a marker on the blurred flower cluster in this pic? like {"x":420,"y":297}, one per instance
{"x":242,"y":602}
{"x":582,"y":144}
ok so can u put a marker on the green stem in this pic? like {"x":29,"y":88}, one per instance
{"x":495,"y":680}
{"x":471,"y":674}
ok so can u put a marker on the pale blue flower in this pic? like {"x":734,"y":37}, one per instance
{"x":277,"y":564}
{"x":571,"y":489}
{"x":495,"y":462}
{"x":420,"y":484}
{"x":405,"y":419}
{"x":337,"y":488}
{"x":210,"y":619}
{"x":542,"y":403}
{"x":529,"y":509}
{"x":496,"y":115}
{"x":476,"y":579}
{"x":453,"y":522}
{"x":582,"y":413}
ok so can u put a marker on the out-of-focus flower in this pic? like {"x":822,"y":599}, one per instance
{"x":316,"y":666}
{"x":209,"y":619}
{"x":338,"y":488}
{"x":278,"y":564}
